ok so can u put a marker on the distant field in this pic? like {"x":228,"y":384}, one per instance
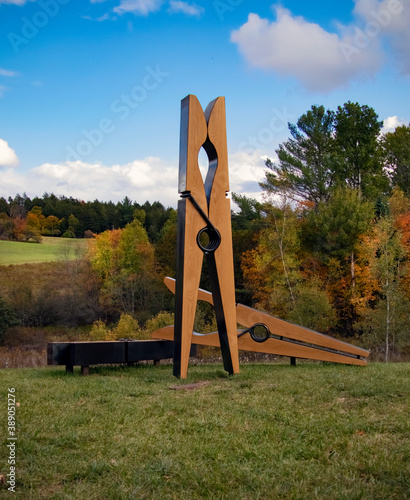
{"x":49,"y":250}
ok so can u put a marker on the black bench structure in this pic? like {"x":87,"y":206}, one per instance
{"x":85,"y":354}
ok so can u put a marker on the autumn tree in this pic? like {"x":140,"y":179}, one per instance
{"x":18,"y":229}
{"x":334,"y":229}
{"x":247,"y":222}
{"x":35,"y":224}
{"x":51,"y":226}
{"x":274,"y":271}
{"x":123,"y":258}
{"x":396,"y":146}
{"x":332,"y":233}
{"x":165,"y":248}
{"x":94,"y":216}
{"x":32,"y":234}
{"x":35,"y":218}
{"x":313,"y":307}
{"x":386,"y":322}
{"x":73,"y":224}
{"x":271,"y":270}
{"x":6,"y":227}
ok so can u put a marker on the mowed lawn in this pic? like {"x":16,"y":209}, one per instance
{"x":49,"y":250}
{"x":314,"y":431}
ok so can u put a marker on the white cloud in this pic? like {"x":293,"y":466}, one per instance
{"x":141,"y":7}
{"x":246,"y":170}
{"x":6,"y":72}
{"x":104,"y":17}
{"x":149,"y":179}
{"x":392,"y":19}
{"x":391,"y":123}
{"x":323,"y":61}
{"x":8,"y":157}
{"x":145,"y":7}
{"x":294,"y":47}
{"x":185,"y":8}
{"x":15,"y":2}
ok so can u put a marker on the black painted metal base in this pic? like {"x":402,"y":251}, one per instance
{"x":85,"y":354}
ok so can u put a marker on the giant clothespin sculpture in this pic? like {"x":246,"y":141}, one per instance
{"x":204,"y":228}
{"x":270,"y":335}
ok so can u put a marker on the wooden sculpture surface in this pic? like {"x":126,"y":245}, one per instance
{"x":297,"y":341}
{"x":204,"y":211}
{"x":204,"y":230}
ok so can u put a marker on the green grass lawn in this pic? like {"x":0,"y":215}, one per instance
{"x":50,"y":249}
{"x":313,"y":431}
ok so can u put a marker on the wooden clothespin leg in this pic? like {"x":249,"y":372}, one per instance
{"x":204,"y":228}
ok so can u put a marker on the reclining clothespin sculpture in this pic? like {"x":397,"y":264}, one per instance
{"x":204,"y":228}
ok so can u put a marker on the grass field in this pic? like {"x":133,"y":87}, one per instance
{"x":49,"y":250}
{"x":314,"y":431}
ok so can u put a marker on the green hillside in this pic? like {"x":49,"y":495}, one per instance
{"x":49,"y":250}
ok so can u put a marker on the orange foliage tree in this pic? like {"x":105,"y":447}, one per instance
{"x":278,"y":272}
{"x":124,"y":261}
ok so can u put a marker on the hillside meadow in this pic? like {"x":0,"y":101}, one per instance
{"x":49,"y":250}
{"x":312,"y":431}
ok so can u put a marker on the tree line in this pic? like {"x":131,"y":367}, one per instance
{"x":26,"y":219}
{"x":332,"y":252}
{"x":328,"y":248}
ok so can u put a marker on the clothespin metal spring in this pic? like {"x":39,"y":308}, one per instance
{"x":210,"y":230}
{"x":259,"y":332}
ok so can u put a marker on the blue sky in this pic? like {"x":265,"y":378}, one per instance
{"x":90,"y":90}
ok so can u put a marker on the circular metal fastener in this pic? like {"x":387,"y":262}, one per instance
{"x":259,"y":332}
{"x":208,"y":239}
